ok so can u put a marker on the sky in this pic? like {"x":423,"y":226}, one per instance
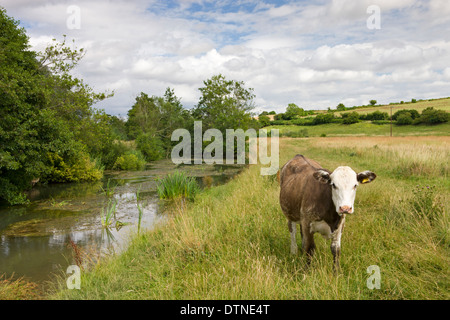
{"x":315,"y":54}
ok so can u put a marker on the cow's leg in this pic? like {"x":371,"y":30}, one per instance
{"x":293,"y":230}
{"x":308,"y":244}
{"x":336,"y":243}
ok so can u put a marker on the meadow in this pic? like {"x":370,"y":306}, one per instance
{"x":233,"y":242}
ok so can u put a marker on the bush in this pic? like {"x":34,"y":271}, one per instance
{"x":132,"y":160}
{"x":432,"y":116}
{"x":151,"y":146}
{"x":412,"y":112}
{"x":323,"y":118}
{"x":404,"y":119}
{"x":81,"y":169}
{"x":352,"y":117}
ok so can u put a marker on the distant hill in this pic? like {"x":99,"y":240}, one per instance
{"x":441,"y":103}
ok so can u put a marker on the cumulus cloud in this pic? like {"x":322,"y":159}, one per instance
{"x":313,"y":53}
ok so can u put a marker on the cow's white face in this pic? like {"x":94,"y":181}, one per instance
{"x":343,"y":182}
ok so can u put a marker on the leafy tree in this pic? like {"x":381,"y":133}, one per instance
{"x":49,"y":129}
{"x":264,"y":120}
{"x":154,"y":119}
{"x":341,"y":107}
{"x":293,"y":111}
{"x":224,"y":104}
{"x":373,"y":102}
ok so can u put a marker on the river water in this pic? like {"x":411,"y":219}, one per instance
{"x":37,"y":240}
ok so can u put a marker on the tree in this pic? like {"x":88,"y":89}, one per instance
{"x":373,"y":102}
{"x":224,"y":104}
{"x":151,"y":121}
{"x":293,"y":111}
{"x":46,"y":115}
{"x":341,"y":107}
{"x":264,"y":120}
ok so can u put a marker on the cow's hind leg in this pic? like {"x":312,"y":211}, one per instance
{"x":293,"y":230}
{"x":308,"y":244}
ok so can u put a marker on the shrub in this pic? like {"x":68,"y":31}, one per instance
{"x":352,"y":117}
{"x":432,"y":116}
{"x":412,"y":112}
{"x":151,"y":146}
{"x":132,"y":160}
{"x":323,"y":118}
{"x":177,"y":185}
{"x":404,"y":119}
{"x":82,"y":168}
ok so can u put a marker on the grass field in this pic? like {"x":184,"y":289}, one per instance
{"x":364,"y":128}
{"x":441,"y":104}
{"x":233,"y":242}
{"x":367,"y":128}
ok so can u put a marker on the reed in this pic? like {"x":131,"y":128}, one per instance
{"x":177,"y":185}
{"x":108,"y":213}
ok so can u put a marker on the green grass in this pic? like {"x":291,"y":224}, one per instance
{"x":176,"y":185}
{"x":233,"y":242}
{"x":364,"y":128}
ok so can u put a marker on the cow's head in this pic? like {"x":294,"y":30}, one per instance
{"x":343,"y":183}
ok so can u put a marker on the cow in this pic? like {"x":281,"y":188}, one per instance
{"x":318,"y":200}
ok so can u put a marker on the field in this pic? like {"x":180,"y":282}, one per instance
{"x":233,"y":242}
{"x":441,"y":104}
{"x":367,"y":128}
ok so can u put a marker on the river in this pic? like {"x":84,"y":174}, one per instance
{"x":37,"y":240}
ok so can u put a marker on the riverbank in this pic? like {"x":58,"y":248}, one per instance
{"x":233,"y":243}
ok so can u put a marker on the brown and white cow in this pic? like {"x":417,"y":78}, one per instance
{"x":318,"y":201}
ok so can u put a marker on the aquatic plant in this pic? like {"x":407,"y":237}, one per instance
{"x":177,"y":185}
{"x":108,"y":213}
{"x":140,"y":208}
{"x":109,"y":191}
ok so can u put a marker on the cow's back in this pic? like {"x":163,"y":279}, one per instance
{"x":301,"y":195}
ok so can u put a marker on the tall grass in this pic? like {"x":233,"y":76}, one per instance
{"x":108,"y":213}
{"x":233,"y":242}
{"x":177,"y":185}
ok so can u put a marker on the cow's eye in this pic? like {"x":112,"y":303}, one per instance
{"x":334,"y":186}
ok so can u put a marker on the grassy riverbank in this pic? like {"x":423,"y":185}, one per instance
{"x":233,"y":243}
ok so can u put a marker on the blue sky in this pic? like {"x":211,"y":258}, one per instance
{"x":316,"y":54}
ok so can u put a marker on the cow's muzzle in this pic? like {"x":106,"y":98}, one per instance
{"x":345,"y":209}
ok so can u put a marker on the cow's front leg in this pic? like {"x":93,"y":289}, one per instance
{"x":336,"y":243}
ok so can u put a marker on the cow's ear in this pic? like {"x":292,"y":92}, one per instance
{"x":323,"y":176}
{"x":366,"y":177}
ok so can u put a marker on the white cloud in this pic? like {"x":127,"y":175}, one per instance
{"x":315,"y":54}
